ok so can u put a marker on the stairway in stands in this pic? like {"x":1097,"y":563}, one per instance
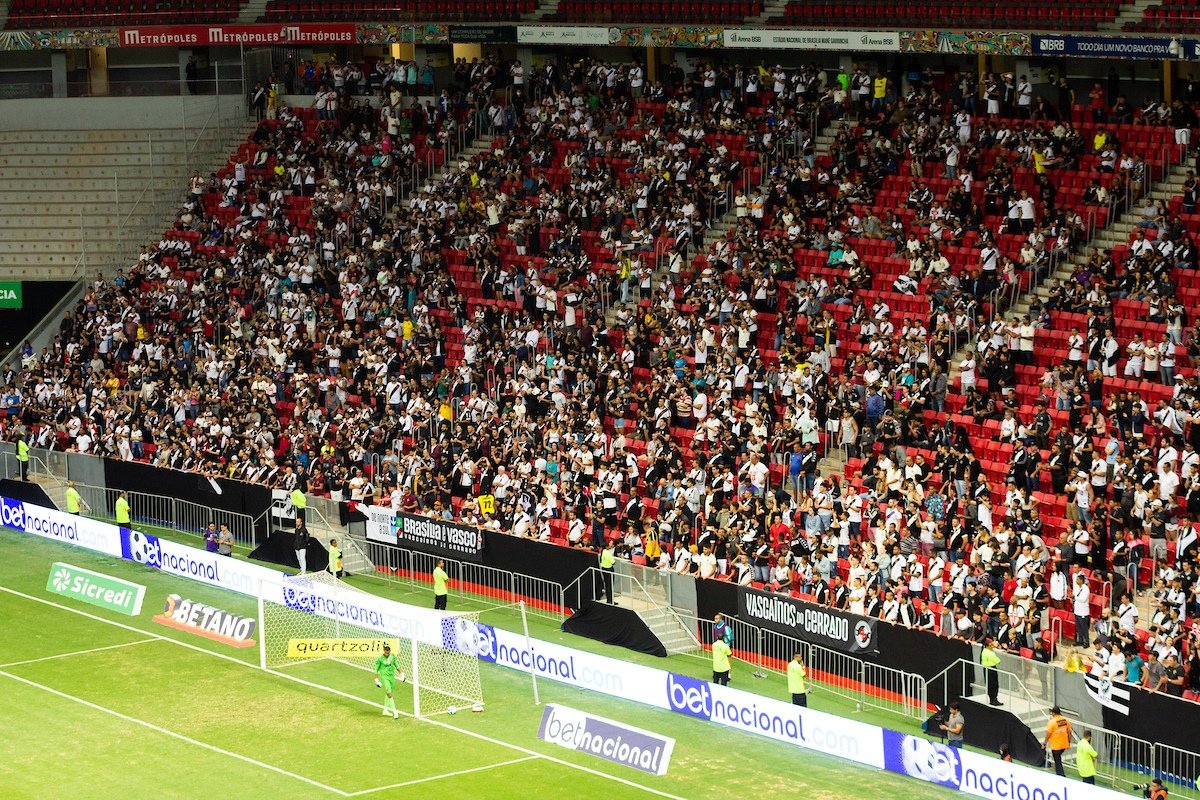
{"x":77,"y":202}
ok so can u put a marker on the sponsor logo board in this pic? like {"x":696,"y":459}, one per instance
{"x":96,"y":588}
{"x":208,"y":621}
{"x":321,"y":648}
{"x":605,"y":738}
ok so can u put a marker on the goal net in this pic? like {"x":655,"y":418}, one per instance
{"x":301,"y":620}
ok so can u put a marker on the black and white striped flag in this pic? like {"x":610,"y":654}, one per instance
{"x":1108,"y":694}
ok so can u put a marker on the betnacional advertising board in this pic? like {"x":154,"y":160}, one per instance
{"x":777,"y":719}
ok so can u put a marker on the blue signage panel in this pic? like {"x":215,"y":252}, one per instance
{"x":1156,"y":47}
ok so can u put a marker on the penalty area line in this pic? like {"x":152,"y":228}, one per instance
{"x":445,"y":775}
{"x":173,"y":734}
{"x":75,"y":653}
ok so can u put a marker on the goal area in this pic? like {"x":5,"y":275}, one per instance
{"x":302,"y":619}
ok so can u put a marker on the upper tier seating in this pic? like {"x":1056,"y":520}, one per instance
{"x":972,"y":14}
{"x":398,"y":10}
{"x":72,"y":13}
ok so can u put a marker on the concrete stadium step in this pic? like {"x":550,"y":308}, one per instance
{"x":107,"y":136}
{"x":60,"y":246}
{"x":64,"y":220}
{"x":53,"y":183}
{"x":41,"y":268}
{"x":53,"y":148}
{"x":93,"y":234}
{"x":155,"y":160}
{"x":666,"y":625}
{"x":34,"y":204}
{"x":62,"y":172}
{"x":73,"y":199}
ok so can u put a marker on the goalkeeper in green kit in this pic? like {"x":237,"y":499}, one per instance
{"x":385,"y":678}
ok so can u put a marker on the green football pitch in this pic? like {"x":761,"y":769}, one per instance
{"x":107,"y":705}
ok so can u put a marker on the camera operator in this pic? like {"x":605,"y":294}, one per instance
{"x":1153,"y":790}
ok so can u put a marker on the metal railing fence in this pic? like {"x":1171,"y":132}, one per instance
{"x":543,"y":598}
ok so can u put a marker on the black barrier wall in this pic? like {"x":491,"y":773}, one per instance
{"x":920,"y":652}
{"x":236,"y":496}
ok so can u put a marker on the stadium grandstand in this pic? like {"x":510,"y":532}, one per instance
{"x":812,"y":299}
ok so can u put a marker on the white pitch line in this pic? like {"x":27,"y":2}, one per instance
{"x":173,"y":734}
{"x":446,"y":775}
{"x":372,"y":704}
{"x":76,"y":653}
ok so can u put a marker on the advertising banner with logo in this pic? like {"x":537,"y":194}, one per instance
{"x":67,"y":528}
{"x":776,"y":719}
{"x":10,"y":294}
{"x":95,"y":588}
{"x":1149,"y":47}
{"x":427,"y":534}
{"x":213,"y":35}
{"x":812,"y":623}
{"x":483,"y":34}
{"x":979,"y":775}
{"x":208,"y":621}
{"x":561,"y":34}
{"x":613,"y":741}
{"x":777,"y":39}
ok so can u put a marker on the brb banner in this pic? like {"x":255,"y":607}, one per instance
{"x":211,"y":35}
{"x":1112,"y":47}
{"x":428,"y":534}
{"x":812,"y":623}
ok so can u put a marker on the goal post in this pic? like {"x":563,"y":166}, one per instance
{"x":304,"y":619}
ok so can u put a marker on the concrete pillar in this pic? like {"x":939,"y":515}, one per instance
{"x":651,"y":65}
{"x":1168,"y":80}
{"x":525,"y":56}
{"x":58,"y":72}
{"x":98,"y":71}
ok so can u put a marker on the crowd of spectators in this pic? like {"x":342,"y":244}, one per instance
{"x":546,"y":323}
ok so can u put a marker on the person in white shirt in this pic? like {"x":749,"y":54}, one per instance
{"x":708,"y":563}
{"x":1127,"y":615}
{"x":1081,"y":597}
